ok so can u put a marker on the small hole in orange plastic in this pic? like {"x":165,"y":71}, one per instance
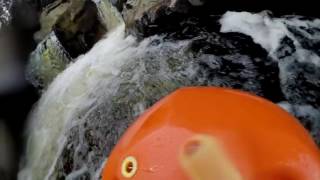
{"x":129,"y":167}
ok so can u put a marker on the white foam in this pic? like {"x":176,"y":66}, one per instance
{"x":286,"y":106}
{"x":67,"y":95}
{"x":260,"y":27}
{"x":82,"y":86}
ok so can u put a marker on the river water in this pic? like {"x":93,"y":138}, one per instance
{"x":84,"y":111}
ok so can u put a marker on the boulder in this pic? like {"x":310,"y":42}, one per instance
{"x":47,"y":61}
{"x":76,"y":24}
{"x":68,"y":29}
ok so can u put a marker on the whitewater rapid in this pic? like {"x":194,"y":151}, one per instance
{"x":67,"y":95}
{"x":268,"y":32}
{"x":79,"y":89}
{"x":88,"y":106}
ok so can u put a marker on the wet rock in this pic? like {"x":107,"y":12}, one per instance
{"x":292,"y":44}
{"x":47,"y":61}
{"x":288,"y":42}
{"x":76,"y":24}
{"x":79,"y":31}
{"x":204,"y":29}
{"x":145,"y":18}
{"x":68,"y":29}
{"x":306,"y":33}
{"x":51,"y":14}
{"x":300,"y":81}
{"x":139,"y":15}
{"x":299,"y":64}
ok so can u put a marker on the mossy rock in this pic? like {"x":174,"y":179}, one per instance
{"x":47,"y":61}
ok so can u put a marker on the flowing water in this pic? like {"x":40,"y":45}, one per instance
{"x":87,"y":84}
{"x":90,"y":104}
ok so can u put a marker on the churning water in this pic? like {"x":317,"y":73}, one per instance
{"x":88,"y":106}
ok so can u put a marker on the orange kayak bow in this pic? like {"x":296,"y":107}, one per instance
{"x":214,"y":133}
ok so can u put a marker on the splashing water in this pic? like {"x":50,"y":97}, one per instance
{"x":46,"y":142}
{"x":86,"y":84}
{"x":293,"y":42}
{"x":89,"y":105}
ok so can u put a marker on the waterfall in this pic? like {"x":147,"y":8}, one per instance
{"x":66,"y":96}
{"x":81,"y":88}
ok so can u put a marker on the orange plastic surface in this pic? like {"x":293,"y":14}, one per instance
{"x":262,"y":140}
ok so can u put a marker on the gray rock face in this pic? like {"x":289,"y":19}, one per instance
{"x":68,"y":29}
{"x":76,"y":24}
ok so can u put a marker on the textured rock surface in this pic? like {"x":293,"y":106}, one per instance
{"x":68,"y":29}
{"x":75,"y":22}
{"x":47,"y":61}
